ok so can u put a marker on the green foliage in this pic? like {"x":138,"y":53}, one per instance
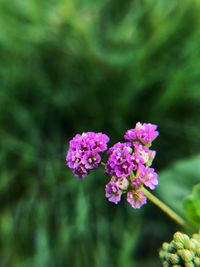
{"x":176,"y":182}
{"x":192,"y":206}
{"x":69,"y":66}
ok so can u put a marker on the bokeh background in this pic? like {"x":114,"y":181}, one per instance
{"x":68,"y":66}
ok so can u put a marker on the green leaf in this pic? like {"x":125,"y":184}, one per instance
{"x":176,"y":182}
{"x":192,"y":206}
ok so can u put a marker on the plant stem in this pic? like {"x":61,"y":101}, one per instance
{"x":173,"y":215}
{"x":166,"y":209}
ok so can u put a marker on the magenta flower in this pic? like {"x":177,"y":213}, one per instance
{"x":128,"y":163}
{"x":80,"y":171}
{"x":136,"y":198}
{"x":148,"y":176}
{"x":119,"y":162}
{"x":83,"y":154}
{"x":130,"y":135}
{"x":113,"y":192}
{"x":142,"y":154}
{"x":99,"y":143}
{"x":145,"y":133}
{"x":119,"y":145}
{"x":91,"y":159}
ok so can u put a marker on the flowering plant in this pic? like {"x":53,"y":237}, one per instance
{"x":128,"y":163}
{"x":128,"y":167}
{"x":84,"y":152}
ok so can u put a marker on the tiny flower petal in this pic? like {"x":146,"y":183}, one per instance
{"x":130,"y":135}
{"x":91,"y":160}
{"x":113,"y":192}
{"x":148,"y":176}
{"x":136,"y":183}
{"x":146,"y":132}
{"x":122,"y":183}
{"x":136,"y":199}
{"x":80,"y":172}
{"x":119,"y":162}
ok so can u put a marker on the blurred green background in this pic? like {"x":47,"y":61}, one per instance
{"x":68,"y":66}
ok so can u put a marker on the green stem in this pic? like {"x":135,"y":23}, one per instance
{"x":167,"y":210}
{"x":173,"y":215}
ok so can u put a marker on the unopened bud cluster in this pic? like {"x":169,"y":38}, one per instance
{"x":181,"y":251}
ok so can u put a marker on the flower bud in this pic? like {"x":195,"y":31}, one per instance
{"x":152,"y":155}
{"x":191,"y":244}
{"x":163,"y":254}
{"x":123,"y":183}
{"x":174,"y":258}
{"x":168,"y":256}
{"x":198,"y":252}
{"x":196,"y":237}
{"x":177,"y":245}
{"x":186,"y":255}
{"x":130,"y":149}
{"x":168,"y":247}
{"x":166,"y":264}
{"x":180,"y":237}
{"x":197,"y":261}
{"x":181,"y":251}
{"x":189,"y":264}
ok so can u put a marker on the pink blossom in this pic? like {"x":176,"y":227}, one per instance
{"x":119,"y":163}
{"x":136,"y":198}
{"x":146,"y":132}
{"x":83,"y":154}
{"x":148,"y":176}
{"x":113,"y":192}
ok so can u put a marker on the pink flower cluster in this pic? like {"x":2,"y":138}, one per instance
{"x":145,"y":133}
{"x":129,"y":166}
{"x":83,"y":154}
{"x":128,"y":163}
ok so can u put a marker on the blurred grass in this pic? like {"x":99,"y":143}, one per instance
{"x":71,"y":66}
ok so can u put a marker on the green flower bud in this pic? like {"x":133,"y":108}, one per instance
{"x":196,"y":236}
{"x":166,"y":264}
{"x":196,"y":242}
{"x":189,"y":264}
{"x":197,"y":261}
{"x":163,"y":254}
{"x":181,"y":251}
{"x":178,"y":245}
{"x":191,"y":244}
{"x":198,"y":252}
{"x":168,"y":256}
{"x":180,"y":237}
{"x":186,"y":255}
{"x":174,"y":258}
{"x":169,"y":247}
